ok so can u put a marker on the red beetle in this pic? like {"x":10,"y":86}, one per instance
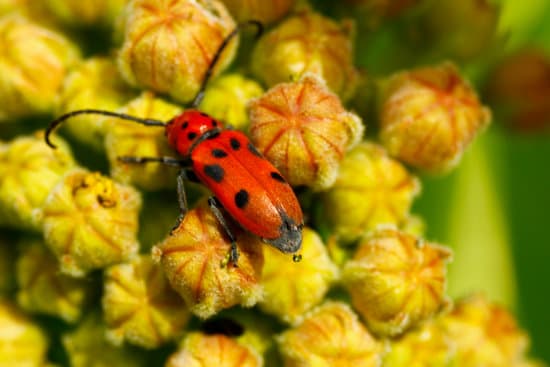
{"x":244,"y":183}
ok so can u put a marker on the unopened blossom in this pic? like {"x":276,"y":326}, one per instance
{"x":90,"y":222}
{"x":331,"y":335}
{"x":202,"y":350}
{"x":139,"y":306}
{"x":87,"y":346}
{"x":303,"y":129}
{"x":265,"y":12}
{"x":79,"y":13}
{"x":169,"y":45}
{"x":195,"y":258}
{"x":371,"y":189}
{"x":43,"y":289}
{"x":29,"y":170}
{"x":28,"y":87}
{"x":22,"y":343}
{"x":129,"y":139}
{"x":94,"y":83}
{"x":429,"y":116}
{"x":396,"y":280}
{"x":308,"y":43}
{"x":292,"y":289}
{"x":227,"y":98}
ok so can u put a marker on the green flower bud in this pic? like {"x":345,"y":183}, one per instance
{"x":84,"y":12}
{"x":28,"y":87}
{"x":265,"y":12}
{"x":169,"y":45}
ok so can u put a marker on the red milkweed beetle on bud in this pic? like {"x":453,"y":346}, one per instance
{"x":245,"y":184}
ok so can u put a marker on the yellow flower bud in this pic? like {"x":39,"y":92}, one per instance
{"x":201,"y":350}
{"x":29,"y":170}
{"x":43,"y":289}
{"x":265,"y":12}
{"x":304,"y":130}
{"x":371,"y":189}
{"x":91,"y":222}
{"x":429,"y":116}
{"x":426,"y":346}
{"x":227,"y":98}
{"x":308,"y":42}
{"x":194,"y":259}
{"x":139,"y":306}
{"x":21,"y":342}
{"x":28,"y":87}
{"x":86,"y":346}
{"x":95,"y":83}
{"x":292,"y":289}
{"x":127,"y":138}
{"x":330,"y":336}
{"x":396,"y":280}
{"x":485,"y":334}
{"x":84,"y":13}
{"x":169,"y":45}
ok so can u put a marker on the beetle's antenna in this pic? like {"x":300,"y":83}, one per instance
{"x":200,"y":95}
{"x":60,"y":119}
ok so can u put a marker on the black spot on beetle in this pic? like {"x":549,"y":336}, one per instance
{"x":219,"y":153}
{"x":241,"y":198}
{"x":214,"y":171}
{"x":235,"y":144}
{"x":253,"y":150}
{"x":185,"y":125}
{"x":191,"y":135}
{"x":204,"y":114}
{"x":214,"y":123}
{"x":277,"y":177}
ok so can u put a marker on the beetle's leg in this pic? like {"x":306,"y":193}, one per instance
{"x":169,"y":161}
{"x":215,"y":207}
{"x":182,"y":199}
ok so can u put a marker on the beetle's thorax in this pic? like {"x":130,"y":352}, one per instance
{"x":187,"y":129}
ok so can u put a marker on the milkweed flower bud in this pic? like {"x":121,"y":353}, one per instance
{"x":227,"y":97}
{"x":330,"y":336}
{"x":426,"y":346}
{"x":28,"y":87}
{"x":429,"y":116}
{"x":86,"y":346}
{"x":519,"y":89}
{"x":291,"y":289}
{"x":43,"y":289}
{"x":91,"y":222}
{"x":93,"y":83}
{"x":396,"y":280}
{"x":265,"y":12}
{"x":83,"y":13}
{"x":371,"y":189}
{"x":139,"y":306}
{"x":308,"y":42}
{"x":21,"y":342}
{"x":304,"y":130}
{"x":29,"y":170}
{"x":485,"y":334}
{"x":193,"y":259}
{"x":127,"y":138}
{"x":201,"y":350}
{"x":169,"y":45}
